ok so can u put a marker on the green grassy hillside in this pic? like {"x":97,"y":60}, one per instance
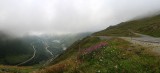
{"x":118,"y":56}
{"x":148,"y":26}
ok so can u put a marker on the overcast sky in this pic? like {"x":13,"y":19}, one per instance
{"x":70,"y":16}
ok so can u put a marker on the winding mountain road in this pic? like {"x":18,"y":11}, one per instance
{"x":144,"y":40}
{"x":29,"y":58}
{"x":46,"y":48}
{"x":52,"y":56}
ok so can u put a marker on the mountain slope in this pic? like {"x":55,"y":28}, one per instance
{"x":148,"y":26}
{"x":13,"y":50}
{"x":117,"y":56}
{"x":33,"y":49}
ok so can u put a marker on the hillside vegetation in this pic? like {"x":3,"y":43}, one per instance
{"x":112,"y":55}
{"x":118,"y":56}
{"x":13,"y":50}
{"x":148,"y":26}
{"x":15,"y":69}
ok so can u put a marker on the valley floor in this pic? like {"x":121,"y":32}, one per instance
{"x":16,"y":69}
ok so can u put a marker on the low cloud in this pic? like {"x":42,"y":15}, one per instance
{"x":70,"y":16}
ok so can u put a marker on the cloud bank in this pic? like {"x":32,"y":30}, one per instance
{"x":70,"y":16}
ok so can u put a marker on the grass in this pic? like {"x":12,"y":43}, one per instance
{"x":15,"y":69}
{"x":115,"y":32}
{"x":16,"y":59}
{"x":118,"y":56}
{"x":73,"y":49}
{"x":148,"y":26}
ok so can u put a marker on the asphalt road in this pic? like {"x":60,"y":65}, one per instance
{"x":146,"y":41}
{"x":29,"y":58}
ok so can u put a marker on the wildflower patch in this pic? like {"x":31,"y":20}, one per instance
{"x":93,"y":48}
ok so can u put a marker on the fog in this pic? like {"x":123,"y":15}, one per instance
{"x":70,"y":16}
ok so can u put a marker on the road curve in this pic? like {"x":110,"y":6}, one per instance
{"x":46,"y":48}
{"x":153,"y":44}
{"x":29,"y":58}
{"x":144,"y":40}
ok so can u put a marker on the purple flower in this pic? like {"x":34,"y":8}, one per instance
{"x":93,"y":48}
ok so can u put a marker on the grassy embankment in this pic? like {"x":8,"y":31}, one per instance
{"x":15,"y":69}
{"x":148,"y":26}
{"x":116,"y":57}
